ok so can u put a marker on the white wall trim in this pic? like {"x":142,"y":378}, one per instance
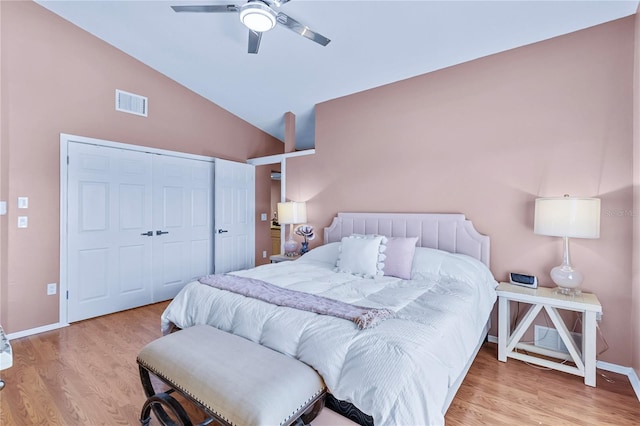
{"x":606,"y":366}
{"x":111,"y":144}
{"x":277,"y":158}
{"x":37,"y":330}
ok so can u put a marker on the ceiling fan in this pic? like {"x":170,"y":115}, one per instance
{"x":259,"y":16}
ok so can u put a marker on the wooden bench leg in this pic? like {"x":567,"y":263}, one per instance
{"x":157,"y":402}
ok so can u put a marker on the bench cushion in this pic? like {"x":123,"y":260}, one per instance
{"x":240,"y":381}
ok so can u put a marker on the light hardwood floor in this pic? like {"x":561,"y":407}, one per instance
{"x":86,"y":374}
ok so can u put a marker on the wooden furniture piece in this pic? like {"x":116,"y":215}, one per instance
{"x":275,"y":240}
{"x":276,"y":258}
{"x":546,"y":298}
{"x":234,"y":380}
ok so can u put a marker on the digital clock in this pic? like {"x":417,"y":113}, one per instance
{"x":523,"y":280}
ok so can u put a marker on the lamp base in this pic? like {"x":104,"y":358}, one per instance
{"x":567,"y":291}
{"x":291,"y":247}
{"x":567,"y":279}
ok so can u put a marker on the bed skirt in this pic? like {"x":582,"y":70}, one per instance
{"x":348,"y":410}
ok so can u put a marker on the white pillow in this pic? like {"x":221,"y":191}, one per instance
{"x":362,"y":255}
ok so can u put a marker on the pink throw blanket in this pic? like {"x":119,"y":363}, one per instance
{"x":363,"y":317}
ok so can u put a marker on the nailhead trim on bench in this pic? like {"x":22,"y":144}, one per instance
{"x":314,"y":396}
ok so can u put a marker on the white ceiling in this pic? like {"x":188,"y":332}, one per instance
{"x":372,"y":43}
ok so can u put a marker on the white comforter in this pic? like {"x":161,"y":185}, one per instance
{"x":398,"y":372}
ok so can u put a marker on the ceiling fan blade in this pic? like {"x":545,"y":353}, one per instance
{"x":254,"y":41}
{"x":301,"y":29}
{"x":207,"y":8}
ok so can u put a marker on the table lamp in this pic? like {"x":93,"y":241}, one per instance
{"x":291,"y":213}
{"x":567,"y":217}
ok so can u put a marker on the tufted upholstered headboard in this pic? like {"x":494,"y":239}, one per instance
{"x":443,"y":231}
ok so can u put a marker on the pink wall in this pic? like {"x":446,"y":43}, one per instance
{"x":56,"y":78}
{"x":486,"y":138}
{"x":635,"y":301}
{"x":4,"y":177}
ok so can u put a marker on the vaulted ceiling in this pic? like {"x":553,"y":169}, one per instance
{"x":372,"y":43}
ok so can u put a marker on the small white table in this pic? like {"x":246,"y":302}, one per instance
{"x":546,"y":298}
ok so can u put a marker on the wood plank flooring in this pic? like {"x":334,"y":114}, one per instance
{"x":86,"y":374}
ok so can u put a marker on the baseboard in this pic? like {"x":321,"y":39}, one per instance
{"x":36,"y":330}
{"x":607,"y":366}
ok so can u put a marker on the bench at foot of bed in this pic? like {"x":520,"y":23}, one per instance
{"x":235,"y":381}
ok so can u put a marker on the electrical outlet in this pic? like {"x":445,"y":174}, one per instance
{"x":263,"y":217}
{"x":51,"y":289}
{"x":264,"y":254}
{"x":23,"y":222}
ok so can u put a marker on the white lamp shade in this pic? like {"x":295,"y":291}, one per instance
{"x":567,"y":217}
{"x":292,"y":212}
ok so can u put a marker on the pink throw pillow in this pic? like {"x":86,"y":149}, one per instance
{"x":400,"y":257}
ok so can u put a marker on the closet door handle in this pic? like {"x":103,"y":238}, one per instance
{"x":158,"y":232}
{"x":148,"y":233}
{"x":220,"y":231}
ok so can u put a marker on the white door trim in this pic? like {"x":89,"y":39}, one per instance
{"x":65,"y":139}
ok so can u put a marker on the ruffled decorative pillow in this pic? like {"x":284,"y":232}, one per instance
{"x":362,"y":255}
{"x":399,"y":258}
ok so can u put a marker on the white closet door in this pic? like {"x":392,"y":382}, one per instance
{"x":182,"y":224}
{"x":109,"y":208}
{"x":234,"y":216}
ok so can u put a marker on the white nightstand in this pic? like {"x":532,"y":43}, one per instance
{"x":542,"y":297}
{"x":276,"y":258}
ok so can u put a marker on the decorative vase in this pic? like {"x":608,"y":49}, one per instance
{"x":304,"y":248}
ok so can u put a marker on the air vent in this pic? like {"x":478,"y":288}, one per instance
{"x":549,"y":338}
{"x":131,"y":103}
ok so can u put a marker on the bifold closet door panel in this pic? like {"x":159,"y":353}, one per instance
{"x":182,"y":223}
{"x":109,"y":211}
{"x":234,"y":216}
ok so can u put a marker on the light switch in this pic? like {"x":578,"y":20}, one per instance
{"x":3,"y":208}
{"x":23,"y":221}
{"x":263,"y":217}
{"x":23,"y":202}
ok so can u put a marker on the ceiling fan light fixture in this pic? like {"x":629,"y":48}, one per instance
{"x":257,"y":16}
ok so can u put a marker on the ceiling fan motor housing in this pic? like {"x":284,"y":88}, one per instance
{"x":257,"y":16}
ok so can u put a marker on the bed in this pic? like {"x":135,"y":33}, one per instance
{"x":406,"y":369}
